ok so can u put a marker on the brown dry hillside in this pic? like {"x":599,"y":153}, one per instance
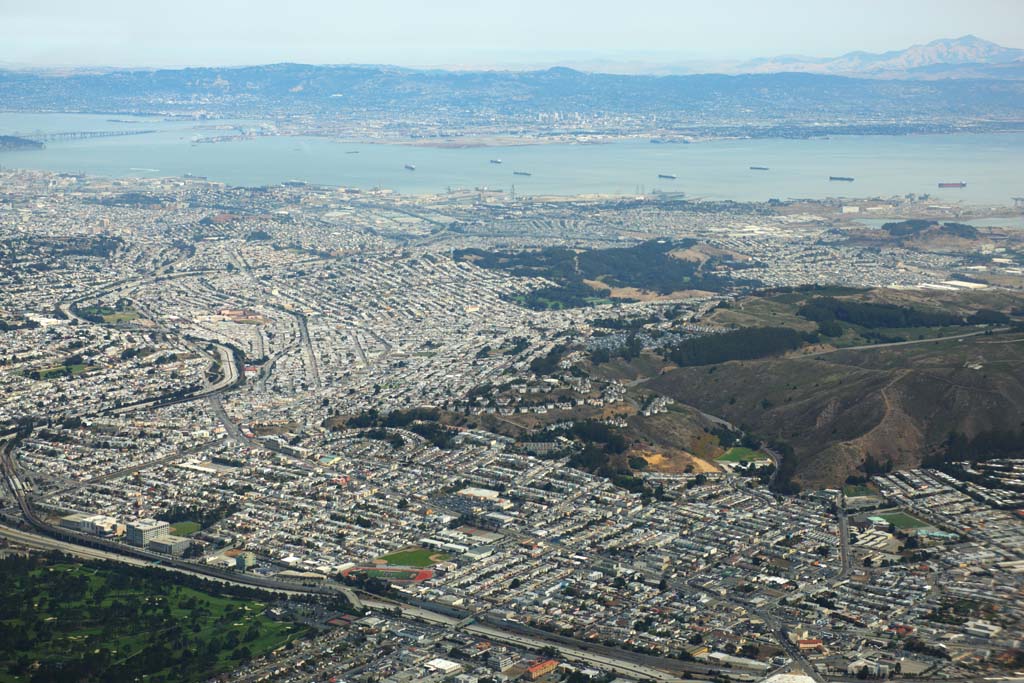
{"x":895,"y":403}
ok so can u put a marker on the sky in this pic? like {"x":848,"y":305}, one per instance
{"x":481,"y":33}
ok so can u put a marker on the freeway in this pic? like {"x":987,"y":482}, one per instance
{"x":621,"y":664}
{"x":72,"y":543}
{"x":617,"y":664}
{"x":34,"y":540}
{"x":307,"y":349}
{"x":234,"y":432}
{"x":231,"y":370}
{"x":293,"y":309}
{"x":119,"y":551}
{"x":621,"y":661}
{"x":912,"y":342}
{"x":43,"y":543}
{"x":230,"y":378}
{"x":844,"y":538}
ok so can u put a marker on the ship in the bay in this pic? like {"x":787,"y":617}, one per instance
{"x":759,"y":168}
{"x":521,"y":173}
{"x":410,"y":167}
{"x":667,"y":176}
{"x":947,"y":185}
{"x":843,"y":178}
{"x":495,"y":161}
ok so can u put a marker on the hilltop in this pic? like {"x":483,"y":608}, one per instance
{"x":891,"y":375}
{"x":946,"y":57}
{"x":894,"y":406}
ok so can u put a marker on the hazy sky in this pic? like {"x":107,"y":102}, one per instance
{"x":479,"y":33}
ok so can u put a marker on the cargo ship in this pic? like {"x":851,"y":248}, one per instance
{"x":495,"y":161}
{"x":758,"y":168}
{"x":521,"y":173}
{"x":845,"y":179}
{"x":410,"y":167}
{"x":945,"y":185}
{"x":666,"y":176}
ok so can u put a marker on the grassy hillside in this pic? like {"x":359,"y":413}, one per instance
{"x":896,"y":403}
{"x":928,"y":314}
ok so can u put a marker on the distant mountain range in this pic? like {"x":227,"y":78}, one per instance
{"x":965,"y":57}
{"x":454,"y":96}
{"x":968,"y":56}
{"x":944,"y":85}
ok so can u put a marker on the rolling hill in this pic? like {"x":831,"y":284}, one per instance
{"x":300,"y":89}
{"x":896,"y":404}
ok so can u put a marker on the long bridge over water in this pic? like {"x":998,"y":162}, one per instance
{"x":80,"y":135}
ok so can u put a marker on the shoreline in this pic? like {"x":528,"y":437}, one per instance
{"x":966,"y":212}
{"x":472,"y":140}
{"x":655,"y":140}
{"x":567,"y":167}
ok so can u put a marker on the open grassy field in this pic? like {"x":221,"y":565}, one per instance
{"x":901,"y":520}
{"x":782,"y":309}
{"x":185,"y":528}
{"x":762,"y":312}
{"x":740,"y":454}
{"x":414,"y":557}
{"x":109,"y":314}
{"x":120,"y":316}
{"x":56,"y":371}
{"x":855,"y":490}
{"x":73,"y":621}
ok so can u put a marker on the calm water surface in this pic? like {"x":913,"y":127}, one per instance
{"x":991,"y":165}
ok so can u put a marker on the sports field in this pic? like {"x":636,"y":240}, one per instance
{"x":901,"y":520}
{"x":855,"y":490}
{"x":120,"y":316}
{"x":184,"y":528}
{"x":741,"y":454}
{"x":414,"y":557}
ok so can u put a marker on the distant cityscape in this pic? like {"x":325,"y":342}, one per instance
{"x":316,"y":431}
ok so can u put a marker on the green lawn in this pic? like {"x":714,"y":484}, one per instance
{"x":185,"y":528}
{"x":98,"y":310}
{"x":56,"y":371}
{"x":109,"y":315}
{"x":854,"y":490}
{"x":80,"y":621}
{"x":414,"y":557}
{"x":393,"y":575}
{"x":901,"y":520}
{"x":120,"y":316}
{"x":741,"y":454}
